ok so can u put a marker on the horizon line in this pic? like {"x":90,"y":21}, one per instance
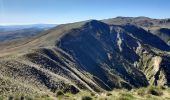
{"x":16,"y":24}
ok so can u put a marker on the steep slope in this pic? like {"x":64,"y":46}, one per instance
{"x":89,"y":55}
{"x":105,"y":46}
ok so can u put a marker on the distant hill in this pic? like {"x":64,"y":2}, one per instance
{"x":158,"y":27}
{"x":7,"y":28}
{"x":140,"y":21}
{"x":14,"y":32}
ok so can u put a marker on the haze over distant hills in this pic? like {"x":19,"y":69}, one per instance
{"x":13,"y":32}
{"x":96,"y":56}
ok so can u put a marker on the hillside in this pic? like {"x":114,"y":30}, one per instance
{"x":92,"y":55}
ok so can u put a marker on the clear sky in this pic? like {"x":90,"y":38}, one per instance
{"x":65,"y":11}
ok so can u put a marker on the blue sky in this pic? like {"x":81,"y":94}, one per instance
{"x":65,"y":11}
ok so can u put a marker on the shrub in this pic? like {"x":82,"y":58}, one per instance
{"x":11,"y":98}
{"x":86,"y":98}
{"x":92,"y":94}
{"x":155,"y":91}
{"x":59,"y":93}
{"x":163,"y":87}
{"x":108,"y":94}
{"x":22,"y":97}
{"x":70,"y":89}
{"x":53,"y":89}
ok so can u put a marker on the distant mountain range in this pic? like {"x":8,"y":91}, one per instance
{"x":7,"y":28}
{"x":158,"y":27}
{"x":14,"y":32}
{"x":96,"y":56}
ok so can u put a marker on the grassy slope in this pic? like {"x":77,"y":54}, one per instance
{"x":148,"y":93}
{"x":22,"y":45}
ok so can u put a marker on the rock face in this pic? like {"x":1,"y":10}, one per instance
{"x":90,"y":55}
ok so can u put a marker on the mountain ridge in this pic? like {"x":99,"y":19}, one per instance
{"x":90,"y":55}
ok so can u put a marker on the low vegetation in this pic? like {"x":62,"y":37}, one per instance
{"x":148,"y":93}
